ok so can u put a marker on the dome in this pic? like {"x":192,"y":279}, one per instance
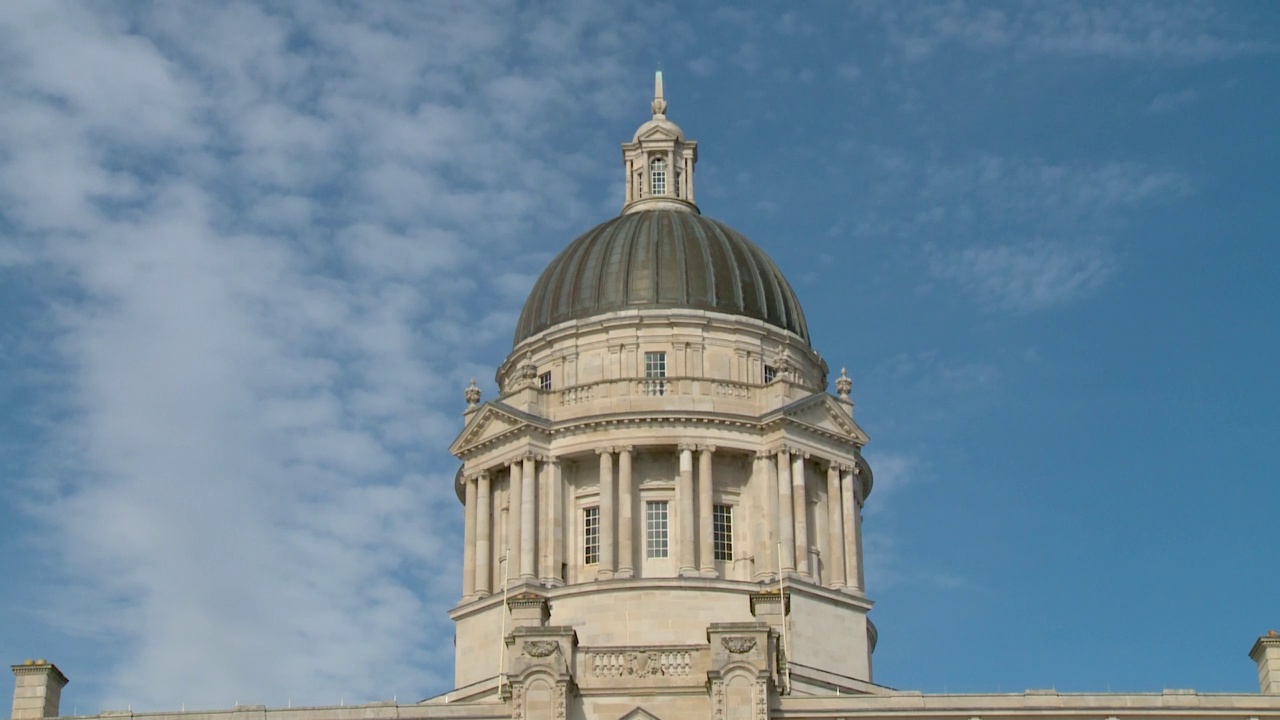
{"x":658,"y":259}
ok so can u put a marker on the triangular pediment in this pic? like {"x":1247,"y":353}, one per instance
{"x":491,"y":422}
{"x":825,"y":414}
{"x":658,"y":132}
{"x":639,"y":713}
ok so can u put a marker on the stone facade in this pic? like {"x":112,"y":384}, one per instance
{"x":663,"y":510}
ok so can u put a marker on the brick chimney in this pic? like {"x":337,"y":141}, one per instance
{"x":37,"y":688}
{"x":1266,"y":652}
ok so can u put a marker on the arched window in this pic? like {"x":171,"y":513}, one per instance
{"x":658,"y":176}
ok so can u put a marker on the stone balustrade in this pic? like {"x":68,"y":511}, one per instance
{"x":666,"y":394}
{"x":645,"y":665}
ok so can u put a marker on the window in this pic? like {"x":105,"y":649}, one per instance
{"x":544,"y":381}
{"x":655,"y":529}
{"x":658,"y":176}
{"x":591,"y":535}
{"x":770,"y":372}
{"x":655,"y":366}
{"x":722,"y":532}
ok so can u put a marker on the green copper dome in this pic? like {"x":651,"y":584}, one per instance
{"x":660,"y":258}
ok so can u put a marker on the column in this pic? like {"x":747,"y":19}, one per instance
{"x":469,"y":539}
{"x":835,"y":528}
{"x":528,"y":518}
{"x":685,"y":512}
{"x":762,"y":543}
{"x":483,"y":551}
{"x":786,"y":513}
{"x":607,"y":511}
{"x":849,"y":509}
{"x":705,"y":531}
{"x":545,"y":522}
{"x":552,"y":543}
{"x":515,"y":501}
{"x":626,"y":501}
{"x":857,"y":528}
{"x":800,"y":497}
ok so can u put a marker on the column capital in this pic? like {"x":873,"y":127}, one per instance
{"x":686,"y":447}
{"x":624,"y":448}
{"x":530,"y":455}
{"x":764,"y":454}
{"x":707,"y":448}
{"x":604,"y":451}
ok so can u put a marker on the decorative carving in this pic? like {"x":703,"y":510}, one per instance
{"x":762,"y":700}
{"x":844,"y":385}
{"x":562,"y":691}
{"x":517,"y":701}
{"x":540,"y":648}
{"x":529,"y":371}
{"x":738,"y":645}
{"x":717,"y":699}
{"x":642,"y":664}
{"x":472,"y":394}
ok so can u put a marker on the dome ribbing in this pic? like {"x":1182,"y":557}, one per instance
{"x":657,"y":259}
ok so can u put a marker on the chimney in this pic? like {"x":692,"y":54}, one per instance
{"x":1266,"y":652}
{"x":37,"y":688}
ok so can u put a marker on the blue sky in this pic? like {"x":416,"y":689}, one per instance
{"x":250,"y":255}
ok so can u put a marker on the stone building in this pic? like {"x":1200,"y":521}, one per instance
{"x":663,"y":505}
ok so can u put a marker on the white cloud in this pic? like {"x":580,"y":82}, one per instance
{"x":1169,"y":102}
{"x":1148,"y":32}
{"x":1027,"y":277}
{"x":1017,"y":234}
{"x":265,"y":238}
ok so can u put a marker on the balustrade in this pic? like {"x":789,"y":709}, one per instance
{"x":639,"y":393}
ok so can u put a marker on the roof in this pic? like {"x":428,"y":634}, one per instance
{"x":657,"y":259}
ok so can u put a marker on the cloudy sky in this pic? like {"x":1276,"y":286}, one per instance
{"x":251,"y":254}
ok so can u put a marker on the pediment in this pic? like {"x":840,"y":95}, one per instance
{"x":491,"y":422}
{"x":825,"y":414}
{"x":639,"y":713}
{"x":658,"y":132}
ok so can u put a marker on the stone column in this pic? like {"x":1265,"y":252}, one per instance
{"x":835,"y":528}
{"x":483,"y":549}
{"x":469,"y":539}
{"x":705,"y":532}
{"x":762,"y":543}
{"x":857,"y":528}
{"x":626,"y":531}
{"x":852,"y":543}
{"x":685,"y":512}
{"x":800,"y":497}
{"x":786,"y":513}
{"x":528,"y":518}
{"x":607,"y":511}
{"x":557,"y":522}
{"x":515,"y":501}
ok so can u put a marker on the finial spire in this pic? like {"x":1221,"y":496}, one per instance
{"x":659,"y":104}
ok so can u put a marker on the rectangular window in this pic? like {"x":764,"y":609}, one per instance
{"x":655,"y":529}
{"x":722,"y":532}
{"x":658,"y":176}
{"x":591,"y":535}
{"x":544,"y":381}
{"x":655,"y":366}
{"x":770,"y":372}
